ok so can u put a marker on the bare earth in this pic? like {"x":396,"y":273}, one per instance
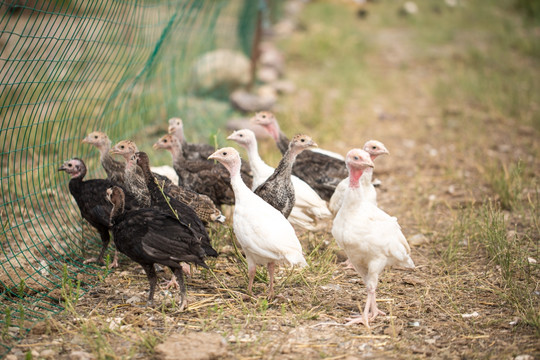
{"x":441,"y":309}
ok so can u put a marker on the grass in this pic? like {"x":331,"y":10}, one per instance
{"x":451,"y":92}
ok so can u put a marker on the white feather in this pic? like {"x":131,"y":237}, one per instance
{"x":167,"y":171}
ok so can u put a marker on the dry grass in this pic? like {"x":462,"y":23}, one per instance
{"x":462,"y":173}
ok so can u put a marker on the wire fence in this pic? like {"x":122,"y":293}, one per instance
{"x":71,"y":67}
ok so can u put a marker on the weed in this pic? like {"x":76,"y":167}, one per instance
{"x":507,"y":184}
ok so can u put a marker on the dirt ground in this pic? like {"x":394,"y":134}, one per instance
{"x":438,"y":310}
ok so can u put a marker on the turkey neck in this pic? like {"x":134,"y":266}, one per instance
{"x":255,"y":159}
{"x":149,"y":178}
{"x":179,"y":134}
{"x":286,"y":163}
{"x":177,"y":153}
{"x":367,"y":176}
{"x":238,"y":185}
{"x":76,"y":182}
{"x":109,"y":163}
{"x":354,"y":178}
{"x":281,"y":139}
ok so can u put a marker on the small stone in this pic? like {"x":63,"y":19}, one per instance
{"x":409,"y":8}
{"x":11,"y":357}
{"x":134,"y":300}
{"x":524,"y":357}
{"x":243,"y":100}
{"x":48,"y":353}
{"x":335,"y":287}
{"x":474,"y":314}
{"x":531,"y":260}
{"x":418,"y":239}
{"x":414,"y":323}
{"x":267,"y":74}
{"x":80,"y":355}
{"x":35,"y":354}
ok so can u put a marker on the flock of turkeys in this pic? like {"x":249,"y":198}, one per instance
{"x":156,"y":220}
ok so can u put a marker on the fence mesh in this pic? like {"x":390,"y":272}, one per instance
{"x":71,"y":67}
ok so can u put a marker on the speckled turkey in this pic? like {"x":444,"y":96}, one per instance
{"x":202,"y":176}
{"x":322,"y":171}
{"x":278,"y":189}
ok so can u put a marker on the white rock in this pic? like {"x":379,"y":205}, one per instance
{"x":80,"y":355}
{"x":524,"y":357}
{"x":531,"y":260}
{"x":48,"y":353}
{"x":335,"y":287}
{"x":222,"y":68}
{"x":418,"y":239}
{"x":474,"y":314}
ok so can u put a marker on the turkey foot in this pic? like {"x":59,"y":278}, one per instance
{"x":114,"y":263}
{"x":93,"y":260}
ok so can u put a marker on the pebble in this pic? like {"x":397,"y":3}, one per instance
{"x":524,"y":357}
{"x":133,"y":300}
{"x":48,"y":353}
{"x":80,"y":355}
{"x":418,"y":239}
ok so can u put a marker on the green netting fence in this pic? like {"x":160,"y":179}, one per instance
{"x":71,"y":67}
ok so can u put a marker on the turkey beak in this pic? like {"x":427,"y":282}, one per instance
{"x":85,"y":141}
{"x":171,"y":129}
{"x":314,"y":144}
{"x":370,"y":163}
{"x":214,"y":156}
{"x":62,"y":168}
{"x":113,"y":151}
{"x":230,"y":137}
{"x":156,"y":146}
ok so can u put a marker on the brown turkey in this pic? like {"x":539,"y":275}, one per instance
{"x":278,"y":189}
{"x":322,"y":171}
{"x":149,"y":236}
{"x":135,"y":182}
{"x":203,"y":176}
{"x":191,"y":151}
{"x":90,"y":198}
{"x":114,"y":168}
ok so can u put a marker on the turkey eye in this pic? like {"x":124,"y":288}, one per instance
{"x":121,"y":147}
{"x":374,"y":147}
{"x":302,"y":140}
{"x":164,"y":141}
{"x":69,"y":165}
{"x":355,"y":158}
{"x":95,"y":137}
{"x":241,"y":135}
{"x":264,"y":116}
{"x":224,"y":153}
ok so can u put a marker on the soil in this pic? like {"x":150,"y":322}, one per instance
{"x":438,"y":310}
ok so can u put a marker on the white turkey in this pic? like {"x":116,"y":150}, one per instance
{"x":371,"y":238}
{"x":264,"y":234}
{"x":374,"y":148}
{"x":308,"y":207}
